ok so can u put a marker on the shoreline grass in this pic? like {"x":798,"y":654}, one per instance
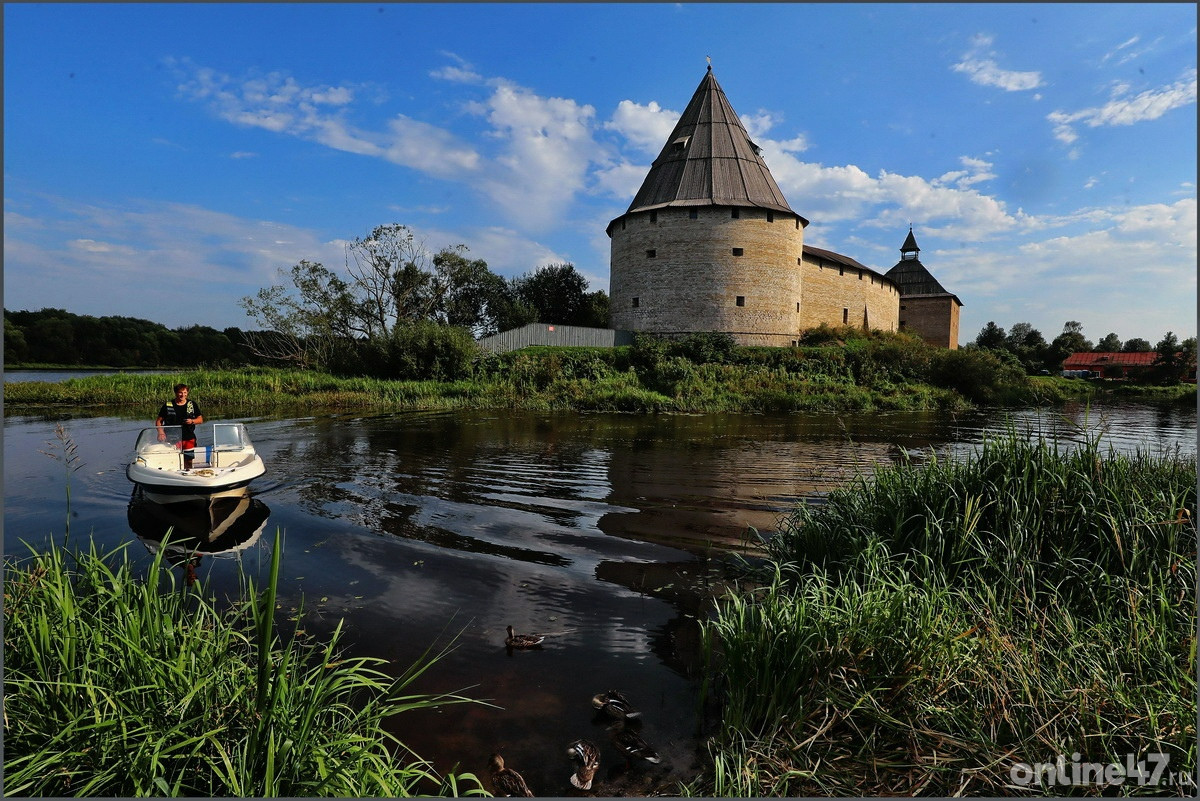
{"x":750,"y":380}
{"x":930,"y":630}
{"x":116,"y":685}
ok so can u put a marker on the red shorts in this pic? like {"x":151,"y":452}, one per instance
{"x":186,"y":444}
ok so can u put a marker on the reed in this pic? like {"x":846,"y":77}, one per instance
{"x":925,"y":630}
{"x":116,"y":685}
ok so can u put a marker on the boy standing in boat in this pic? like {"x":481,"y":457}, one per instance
{"x":185,"y":414}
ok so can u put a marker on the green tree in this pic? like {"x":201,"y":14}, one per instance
{"x":425,"y":350}
{"x":1029,"y":346}
{"x":303,"y":322}
{"x":991,"y":336}
{"x":511,"y":311}
{"x":392,"y":279}
{"x":1071,"y":340}
{"x":1109,"y":343}
{"x":556,"y":292}
{"x":471,"y":296}
{"x":52,"y":340}
{"x":16,"y":349}
{"x":596,"y":309}
{"x":1174,"y":359}
{"x":1136,"y":345}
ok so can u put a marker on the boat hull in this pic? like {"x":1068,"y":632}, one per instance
{"x":178,"y":486}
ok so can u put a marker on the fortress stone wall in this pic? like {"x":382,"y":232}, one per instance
{"x":839,"y":294}
{"x":710,"y":244}
{"x":933,"y":318}
{"x":684,"y":269}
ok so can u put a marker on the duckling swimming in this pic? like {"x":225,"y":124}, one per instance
{"x":522,"y":640}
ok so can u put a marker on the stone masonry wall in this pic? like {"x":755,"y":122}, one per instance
{"x":837,"y":294}
{"x":693,"y":280}
{"x":934,"y":318}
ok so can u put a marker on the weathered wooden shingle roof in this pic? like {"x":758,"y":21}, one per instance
{"x":911,"y":276}
{"x":913,"y":279}
{"x":838,"y":258}
{"x":709,"y":160}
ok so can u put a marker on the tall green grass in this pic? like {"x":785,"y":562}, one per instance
{"x":119,"y":685}
{"x":925,"y":630}
{"x":699,"y":373}
{"x":843,"y":370}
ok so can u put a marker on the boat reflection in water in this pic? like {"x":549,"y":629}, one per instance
{"x":222,"y":526}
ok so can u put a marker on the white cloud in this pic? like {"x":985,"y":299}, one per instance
{"x":91,"y":246}
{"x":428,"y":148}
{"x":546,"y":146}
{"x":620,"y":180}
{"x":278,"y":103}
{"x":977,"y":171}
{"x":72,"y":255}
{"x":1124,"y":110}
{"x":463,"y":72}
{"x":645,"y":127}
{"x":1074,"y":276}
{"x":540,"y":147}
{"x":1126,"y":52}
{"x":507,"y":252}
{"x":847,"y":193}
{"x":979,"y":64}
{"x":457,"y":75}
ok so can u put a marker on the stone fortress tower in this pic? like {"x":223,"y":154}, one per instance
{"x":926,"y":309}
{"x":709,"y":243}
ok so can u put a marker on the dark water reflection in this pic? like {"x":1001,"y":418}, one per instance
{"x":604,"y":532}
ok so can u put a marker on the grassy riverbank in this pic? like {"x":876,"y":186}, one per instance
{"x":698,"y":374}
{"x":933,"y":630}
{"x":128,"y":686}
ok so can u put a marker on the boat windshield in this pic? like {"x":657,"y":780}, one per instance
{"x":218,"y":436}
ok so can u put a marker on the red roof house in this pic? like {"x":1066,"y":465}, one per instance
{"x":1111,"y":365}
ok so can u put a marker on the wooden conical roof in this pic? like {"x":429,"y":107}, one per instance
{"x":709,"y":160}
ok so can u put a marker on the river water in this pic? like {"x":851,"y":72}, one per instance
{"x":604,"y":532}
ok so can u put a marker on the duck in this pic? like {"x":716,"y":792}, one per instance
{"x":631,"y":744}
{"x":506,"y":781}
{"x":616,"y":706}
{"x":588,"y":755}
{"x":515,"y":640}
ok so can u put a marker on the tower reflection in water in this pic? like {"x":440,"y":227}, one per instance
{"x":188,"y":531}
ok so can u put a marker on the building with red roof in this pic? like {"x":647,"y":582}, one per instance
{"x":1115,"y":365}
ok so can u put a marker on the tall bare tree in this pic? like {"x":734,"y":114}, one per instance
{"x":302,"y":322}
{"x":393,"y":277}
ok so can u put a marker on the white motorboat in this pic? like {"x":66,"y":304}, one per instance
{"x":222,"y":463}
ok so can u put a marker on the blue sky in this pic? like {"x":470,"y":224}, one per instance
{"x":163,"y":161}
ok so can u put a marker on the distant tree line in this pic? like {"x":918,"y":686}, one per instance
{"x":1024,"y":345}
{"x":56,"y":336}
{"x":397,"y":310}
{"x":401,"y":311}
